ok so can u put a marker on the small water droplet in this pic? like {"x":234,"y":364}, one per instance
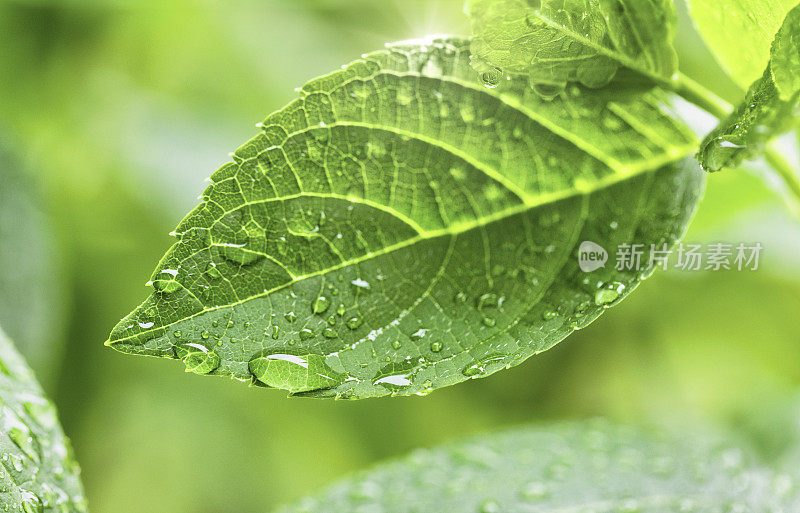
{"x":361,"y":284}
{"x":491,"y":78}
{"x":436,"y":346}
{"x":535,"y":490}
{"x":489,"y":506}
{"x":396,"y":344}
{"x":212,"y":271}
{"x":290,"y":317}
{"x":549,"y":315}
{"x":353,"y":322}
{"x":329,"y":333}
{"x":479,"y":368}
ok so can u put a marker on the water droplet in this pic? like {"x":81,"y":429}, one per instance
{"x":296,"y":373}
{"x":212,"y":271}
{"x":353,"y":322}
{"x":329,"y":333}
{"x":535,"y":490}
{"x":24,"y":439}
{"x":177,"y":334}
{"x":166,"y":286}
{"x":436,"y":346}
{"x":340,"y":310}
{"x":396,"y":380}
{"x":490,"y":506}
{"x":419,"y":334}
{"x":489,"y":300}
{"x":290,"y":317}
{"x":721,"y":152}
{"x":479,"y":368}
{"x":396,"y":344}
{"x":197,"y":358}
{"x":489,"y":322}
{"x":320,"y":305}
{"x":205,"y":334}
{"x":361,"y":284}
{"x":547,"y":92}
{"x":549,"y":315}
{"x":608,"y":294}
{"x":492,"y":77}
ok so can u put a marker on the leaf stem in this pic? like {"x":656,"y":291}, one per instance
{"x":779,"y":163}
{"x":698,"y":95}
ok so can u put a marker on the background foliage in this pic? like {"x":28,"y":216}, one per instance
{"x":119,"y":110}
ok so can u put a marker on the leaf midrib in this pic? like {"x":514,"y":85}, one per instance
{"x":457,"y":229}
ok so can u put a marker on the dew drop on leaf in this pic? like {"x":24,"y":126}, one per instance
{"x":320,"y":305}
{"x":607,"y":294}
{"x":197,"y":358}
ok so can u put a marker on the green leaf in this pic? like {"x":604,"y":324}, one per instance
{"x":401,"y":228}
{"x":586,"y":41}
{"x":576,"y":467}
{"x":38,"y":471}
{"x":30,"y":285}
{"x":768,"y":110}
{"x":785,"y":61}
{"x":739,"y":32}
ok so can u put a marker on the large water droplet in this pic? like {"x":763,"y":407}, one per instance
{"x":197,"y":358}
{"x":608,"y":294}
{"x":295,"y":373}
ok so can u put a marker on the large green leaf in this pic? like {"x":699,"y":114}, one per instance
{"x":769,"y":108}
{"x":30,"y":285}
{"x":401,"y":227}
{"x":739,"y":32}
{"x":555,"y":41}
{"x":38,"y":471}
{"x":579,"y":467}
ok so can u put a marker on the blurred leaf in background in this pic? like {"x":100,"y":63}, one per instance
{"x":122,"y":109}
{"x":31,"y":289}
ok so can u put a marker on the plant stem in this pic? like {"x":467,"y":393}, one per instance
{"x":698,"y":95}
{"x":779,"y":163}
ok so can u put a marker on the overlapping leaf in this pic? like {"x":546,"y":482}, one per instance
{"x":586,"y":467}
{"x":585,"y":41}
{"x":769,"y":108}
{"x":739,"y":32}
{"x":38,"y":471}
{"x":401,"y":227}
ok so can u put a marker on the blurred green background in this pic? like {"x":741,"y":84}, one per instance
{"x":116,"y":111}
